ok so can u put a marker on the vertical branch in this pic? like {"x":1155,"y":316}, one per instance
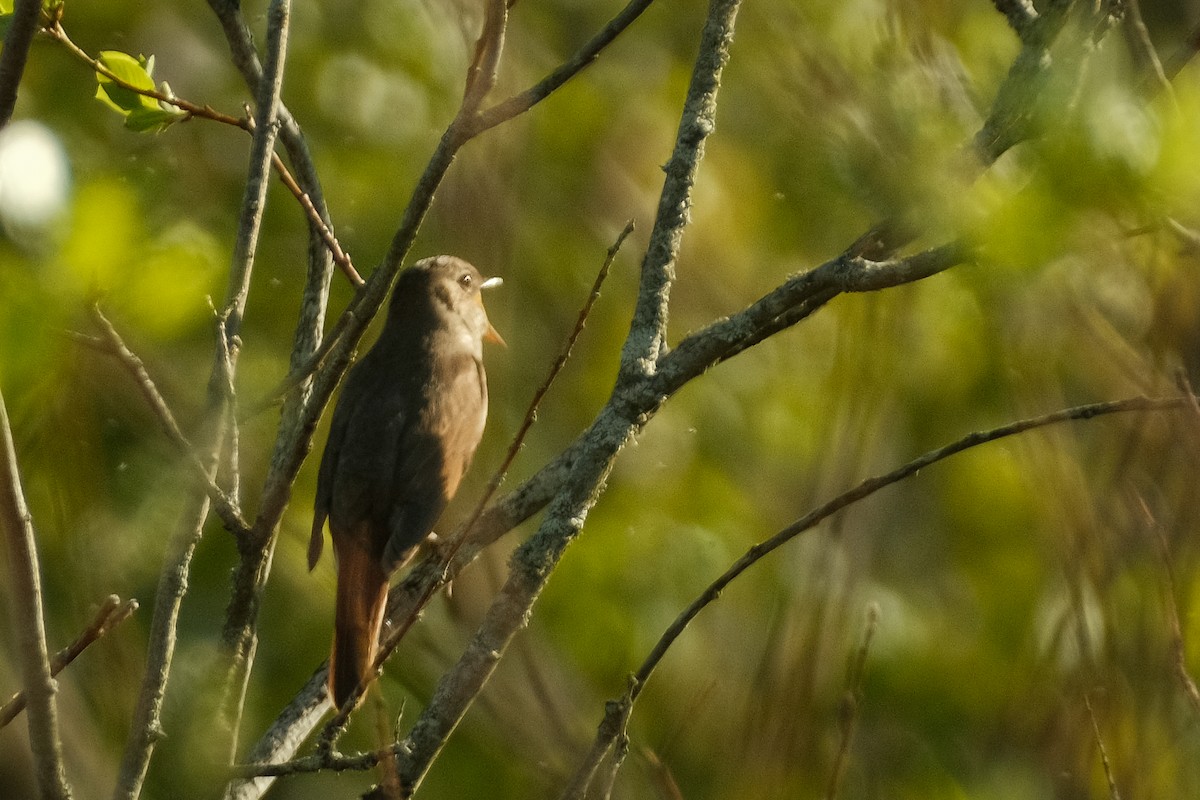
{"x":241,"y":644}
{"x":1113,"y":792}
{"x":26,"y":599}
{"x":16,"y":524}
{"x":850,"y":704}
{"x":146,"y":726}
{"x":647,"y":334}
{"x":147,"y":723}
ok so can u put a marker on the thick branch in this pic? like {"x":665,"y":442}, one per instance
{"x":1013,"y":117}
{"x":798,"y":297}
{"x":1021,"y":14}
{"x":647,"y":335}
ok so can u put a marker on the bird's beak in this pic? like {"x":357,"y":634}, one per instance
{"x":492,"y":335}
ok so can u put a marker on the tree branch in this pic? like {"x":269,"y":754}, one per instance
{"x":1021,"y":14}
{"x":111,"y":614}
{"x":534,"y":561}
{"x":147,"y":726}
{"x":26,"y":599}
{"x":646,"y":341}
{"x":1013,"y":116}
{"x":114,"y":345}
{"x":520,"y":103}
{"x":239,"y":643}
{"x":810,"y":520}
{"x":318,"y":221}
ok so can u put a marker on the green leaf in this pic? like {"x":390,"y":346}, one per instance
{"x":142,"y":113}
{"x":131,"y":71}
{"x":151,"y":119}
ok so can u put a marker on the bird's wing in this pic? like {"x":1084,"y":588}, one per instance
{"x":433,"y":454}
{"x":344,"y":414}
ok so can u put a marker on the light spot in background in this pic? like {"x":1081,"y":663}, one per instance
{"x":35,"y":182}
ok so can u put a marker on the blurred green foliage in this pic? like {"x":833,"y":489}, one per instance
{"x":1012,"y":581}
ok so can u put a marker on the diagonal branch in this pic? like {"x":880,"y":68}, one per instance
{"x":446,"y":554}
{"x":534,"y":561}
{"x":622,"y":708}
{"x":520,"y":103}
{"x":318,"y":221}
{"x":114,"y":345}
{"x":1021,"y":14}
{"x":112,"y":613}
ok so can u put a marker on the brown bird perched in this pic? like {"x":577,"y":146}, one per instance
{"x":404,"y":430}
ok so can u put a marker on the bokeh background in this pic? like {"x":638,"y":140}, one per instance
{"x":1011,"y":582}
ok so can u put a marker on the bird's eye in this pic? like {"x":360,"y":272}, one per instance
{"x":464,"y":280}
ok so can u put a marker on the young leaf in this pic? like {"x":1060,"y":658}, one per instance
{"x":142,"y":113}
{"x":132,"y":72}
{"x":151,"y":119}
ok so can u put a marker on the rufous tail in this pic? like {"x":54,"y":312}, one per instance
{"x":362,"y":588}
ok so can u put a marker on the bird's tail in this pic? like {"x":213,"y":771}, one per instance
{"x":362,"y":588}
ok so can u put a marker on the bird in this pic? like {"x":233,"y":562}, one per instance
{"x":404,"y":430}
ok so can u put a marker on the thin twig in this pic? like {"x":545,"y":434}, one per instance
{"x":1142,"y":48}
{"x":56,"y":31}
{"x":851,"y":701}
{"x":114,"y":345}
{"x":520,"y":103}
{"x":863,"y":490}
{"x":25,"y":600}
{"x":1113,"y":794}
{"x":1174,"y":625}
{"x":111,"y":614}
